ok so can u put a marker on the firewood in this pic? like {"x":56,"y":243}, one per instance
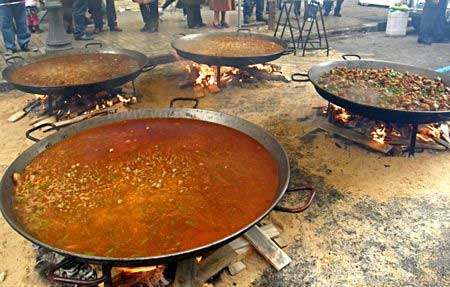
{"x":236,"y":268}
{"x":356,"y":137}
{"x":267,"y":248}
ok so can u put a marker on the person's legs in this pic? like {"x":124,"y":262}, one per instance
{"x":297,"y":7}
{"x":79,"y":9}
{"x":337,"y":8}
{"x":260,"y":10}
{"x":97,"y":15}
{"x":167,"y":4}
{"x":430,"y":12}
{"x":145,"y":12}
{"x":198,"y":16}
{"x":35,"y":19}
{"x":439,"y":32}
{"x":154,"y":16}
{"x":20,"y":16}
{"x":248,"y":7}
{"x":190,"y":15}
{"x":216,"y":21}
{"x":111,"y":15}
{"x":327,"y":5}
{"x":7,"y":26}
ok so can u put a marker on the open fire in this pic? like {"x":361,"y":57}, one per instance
{"x":434,"y":136}
{"x":201,"y":76}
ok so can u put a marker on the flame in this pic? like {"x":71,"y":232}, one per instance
{"x":136,"y":269}
{"x":206,"y":76}
{"x":341,"y":114}
{"x":41,"y":98}
{"x":424,"y":138}
{"x":379,"y":134}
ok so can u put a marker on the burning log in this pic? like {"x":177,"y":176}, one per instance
{"x":356,"y":137}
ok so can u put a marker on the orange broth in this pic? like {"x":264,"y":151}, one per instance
{"x":145,"y":187}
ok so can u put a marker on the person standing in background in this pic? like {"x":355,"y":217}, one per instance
{"x":79,"y":9}
{"x":327,"y":5}
{"x":150,"y":15}
{"x":220,"y":7}
{"x":32,"y":17}
{"x":248,"y":10}
{"x":13,"y":22}
{"x":111,"y":16}
{"x":194,"y":16}
{"x":97,"y":15}
{"x":432,"y":25}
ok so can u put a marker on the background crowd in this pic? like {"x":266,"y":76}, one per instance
{"x":19,"y":18}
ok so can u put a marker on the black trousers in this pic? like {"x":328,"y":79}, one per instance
{"x":149,"y":12}
{"x":95,"y":7}
{"x":194,"y":17}
{"x":111,"y":14}
{"x":167,"y":3}
{"x":97,"y":13}
{"x":432,"y":25}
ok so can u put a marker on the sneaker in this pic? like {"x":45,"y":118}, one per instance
{"x":337,"y":15}
{"x":25,"y":48}
{"x":246,"y":20}
{"x":85,"y":37}
{"x":9,"y":52}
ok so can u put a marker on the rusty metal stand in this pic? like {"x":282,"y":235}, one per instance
{"x":287,"y":23}
{"x":412,"y":143}
{"x":317,"y":43}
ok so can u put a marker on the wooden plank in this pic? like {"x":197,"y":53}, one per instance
{"x":405,"y":142}
{"x":236,"y":268}
{"x":355,"y":137}
{"x":214,"y":263}
{"x":184,"y":276}
{"x":269,"y":230}
{"x":267,"y":248}
{"x":280,"y":242}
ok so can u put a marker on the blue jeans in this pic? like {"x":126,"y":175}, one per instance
{"x":79,"y":8}
{"x":13,"y":21}
{"x":248,"y":8}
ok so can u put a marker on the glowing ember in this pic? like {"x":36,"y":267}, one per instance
{"x":340,"y":114}
{"x":136,"y":269}
{"x":379,"y":134}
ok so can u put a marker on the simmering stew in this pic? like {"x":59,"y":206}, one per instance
{"x":73,"y":70}
{"x":231,"y":46}
{"x":145,"y":187}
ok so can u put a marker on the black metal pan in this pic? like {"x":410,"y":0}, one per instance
{"x":186,"y":45}
{"x":87,"y":88}
{"x":251,"y":130}
{"x":369,"y":111}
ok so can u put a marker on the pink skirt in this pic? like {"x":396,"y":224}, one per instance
{"x":221,"y":5}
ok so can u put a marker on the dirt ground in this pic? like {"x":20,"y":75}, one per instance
{"x":376,"y":220}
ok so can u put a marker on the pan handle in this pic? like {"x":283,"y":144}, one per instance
{"x":178,"y":35}
{"x":243,"y":29}
{"x":288,"y":51}
{"x":93,"y":44}
{"x":346,"y":56}
{"x":9,"y":61}
{"x":30,"y":131}
{"x":295,"y":79}
{"x":148,"y":67}
{"x":52,"y":277}
{"x":305,"y":206}
{"x":196,"y":101}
